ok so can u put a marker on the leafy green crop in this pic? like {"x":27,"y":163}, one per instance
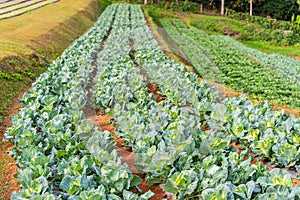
{"x":172,"y":148}
{"x":62,"y":156}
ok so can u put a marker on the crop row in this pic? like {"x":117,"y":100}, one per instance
{"x":288,"y":66}
{"x":6,"y":4}
{"x":201,"y":62}
{"x":237,"y":69}
{"x":172,"y":148}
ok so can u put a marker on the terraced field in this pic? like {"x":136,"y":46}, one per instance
{"x":9,"y":9}
{"x":172,"y":137}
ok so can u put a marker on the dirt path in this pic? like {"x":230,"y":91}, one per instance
{"x":8,"y":168}
{"x":165,"y":44}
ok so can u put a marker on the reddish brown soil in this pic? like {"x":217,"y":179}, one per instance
{"x":204,"y":128}
{"x":238,"y":147}
{"x":159,"y":193}
{"x":296,"y":182}
{"x":288,"y":110}
{"x":297,"y":58}
{"x":152,"y":88}
{"x":8,"y":168}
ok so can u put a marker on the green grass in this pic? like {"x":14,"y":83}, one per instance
{"x":287,"y":51}
{"x":215,"y":24}
{"x":156,"y":13}
{"x":18,"y":73}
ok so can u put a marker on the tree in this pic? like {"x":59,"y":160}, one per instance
{"x":222,"y":7}
{"x":279,"y":9}
{"x":201,"y":6}
{"x":145,"y":2}
{"x":251,"y":7}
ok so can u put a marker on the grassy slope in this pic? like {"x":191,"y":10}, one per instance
{"x":29,"y":40}
{"x":18,"y":35}
{"x":26,"y":43}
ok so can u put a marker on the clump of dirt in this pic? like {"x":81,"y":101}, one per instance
{"x":297,"y":58}
{"x":103,"y":122}
{"x":222,"y":21}
{"x":296,"y":182}
{"x":152,"y":88}
{"x":285,"y":32}
{"x":156,"y":189}
{"x":231,"y":33}
{"x":205,"y":128}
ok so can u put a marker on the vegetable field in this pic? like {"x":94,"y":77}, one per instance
{"x":250,"y":71}
{"x":186,"y":139}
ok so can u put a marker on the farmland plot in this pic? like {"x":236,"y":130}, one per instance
{"x":49,"y":132}
{"x":183,"y":140}
{"x":225,"y":64}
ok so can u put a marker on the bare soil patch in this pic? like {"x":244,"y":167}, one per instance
{"x":297,"y":58}
{"x":8,"y":168}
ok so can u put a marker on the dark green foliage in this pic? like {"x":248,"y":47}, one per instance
{"x":273,"y":31}
{"x":180,"y":6}
{"x":278,"y":9}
